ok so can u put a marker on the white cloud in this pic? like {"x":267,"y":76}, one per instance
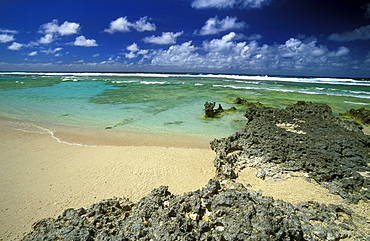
{"x":135,"y":51}
{"x":34,"y":53}
{"x":47,"y":39}
{"x":96,"y":55}
{"x":15,"y":46}
{"x":52,"y":30}
{"x":3,"y":30}
{"x":142,"y":25}
{"x":342,"y":51}
{"x":123,"y":25}
{"x":119,"y":25}
{"x":213,"y":3}
{"x":229,"y":54}
{"x":362,"y":33}
{"x":133,"y":47}
{"x":4,"y":38}
{"x":51,"y":51}
{"x":229,"y":3}
{"x":219,"y":45}
{"x":214,"y":25}
{"x":67,"y":28}
{"x":166,"y":38}
{"x":82,"y":41}
{"x":131,"y":55}
{"x":178,"y":55}
{"x":254,"y":37}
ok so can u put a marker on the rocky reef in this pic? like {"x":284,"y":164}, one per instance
{"x":211,"y":213}
{"x":303,"y":137}
{"x":360,"y":115}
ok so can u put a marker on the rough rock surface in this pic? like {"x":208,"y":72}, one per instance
{"x":303,"y":137}
{"x":361,"y":115}
{"x":209,"y":110}
{"x":211,"y":213}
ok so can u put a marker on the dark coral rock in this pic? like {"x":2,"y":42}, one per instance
{"x":210,"y":213}
{"x":209,"y":110}
{"x":303,"y":137}
{"x":361,"y":115}
{"x":241,"y":101}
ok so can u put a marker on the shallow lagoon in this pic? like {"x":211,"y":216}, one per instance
{"x":162,"y":103}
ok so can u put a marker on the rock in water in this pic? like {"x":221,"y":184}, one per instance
{"x":303,"y":137}
{"x":361,"y":115}
{"x":209,"y":110}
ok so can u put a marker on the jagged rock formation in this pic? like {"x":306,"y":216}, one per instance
{"x":303,"y":137}
{"x":210,"y":213}
{"x":209,"y":110}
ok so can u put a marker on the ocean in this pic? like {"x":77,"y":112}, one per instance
{"x":170,"y":104}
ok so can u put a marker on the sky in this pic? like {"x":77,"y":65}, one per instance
{"x":272,"y":37}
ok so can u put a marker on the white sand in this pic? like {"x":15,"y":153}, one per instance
{"x":40,"y":177}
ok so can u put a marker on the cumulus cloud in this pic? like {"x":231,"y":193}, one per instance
{"x":4,"y":38}
{"x":214,"y":25}
{"x":133,"y":47}
{"x":228,"y":53}
{"x":165,"y":38}
{"x":15,"y":46}
{"x":142,"y":25}
{"x":47,"y":39}
{"x":229,"y":3}
{"x":52,"y":30}
{"x":362,"y":33}
{"x":220,"y":45}
{"x":67,"y":28}
{"x":178,"y":55}
{"x":123,"y":25}
{"x":135,"y":51}
{"x":34,"y":53}
{"x":82,"y":41}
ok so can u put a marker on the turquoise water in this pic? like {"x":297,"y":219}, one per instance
{"x":162,"y":103}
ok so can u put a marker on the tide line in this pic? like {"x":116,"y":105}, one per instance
{"x":63,"y":142}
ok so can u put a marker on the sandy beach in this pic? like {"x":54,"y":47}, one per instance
{"x":42,"y":175}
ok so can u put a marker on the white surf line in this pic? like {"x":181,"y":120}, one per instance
{"x":63,"y":142}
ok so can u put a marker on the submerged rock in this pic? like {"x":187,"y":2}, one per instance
{"x":210,"y":213}
{"x":361,"y":115}
{"x":241,"y":101}
{"x":209,"y":110}
{"x":303,"y":137}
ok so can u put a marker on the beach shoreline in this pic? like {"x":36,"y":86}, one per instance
{"x":41,"y":177}
{"x":45,"y":171}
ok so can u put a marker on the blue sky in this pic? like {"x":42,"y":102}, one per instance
{"x":282,"y":37}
